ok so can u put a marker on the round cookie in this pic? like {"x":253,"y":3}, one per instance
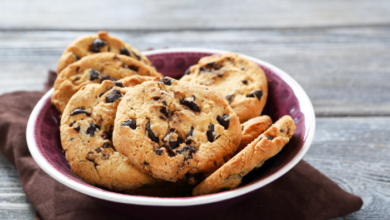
{"x":169,"y":128}
{"x":95,"y":69}
{"x":241,"y":81}
{"x":261,"y":149}
{"x":87,"y":45}
{"x":86,"y":132}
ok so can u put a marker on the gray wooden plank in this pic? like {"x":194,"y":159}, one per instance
{"x":354,"y":152}
{"x":177,"y":15}
{"x":345,"y":71}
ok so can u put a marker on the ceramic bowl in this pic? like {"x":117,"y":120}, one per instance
{"x":285,"y":97}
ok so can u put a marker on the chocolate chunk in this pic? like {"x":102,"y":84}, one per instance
{"x":97,"y":45}
{"x":134,"y":68}
{"x":164,"y":102}
{"x":187,"y":72}
{"x":164,"y":111}
{"x":256,"y":93}
{"x":166,"y":81}
{"x":151,"y":135}
{"x":173,"y":140}
{"x":105,"y":77}
{"x":190,"y":103}
{"x":224,"y":121}
{"x":79,"y":111}
{"x":92,"y":129}
{"x":187,"y":151}
{"x":130,"y":123}
{"x":119,"y":84}
{"x":98,"y":150}
{"x":229,"y":97}
{"x":245,"y":82}
{"x":106,"y":145}
{"x":113,"y":96}
{"x":158,"y":151}
{"x":146,"y":163}
{"x":269,"y":137}
{"x":124,"y":51}
{"x":94,"y":74}
{"x":210,"y":133}
{"x":281,"y":130}
{"x":77,"y":128}
{"x":136,"y":55}
{"x":196,"y":176}
{"x":171,"y":153}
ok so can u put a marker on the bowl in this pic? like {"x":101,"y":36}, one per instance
{"x":286,"y":97}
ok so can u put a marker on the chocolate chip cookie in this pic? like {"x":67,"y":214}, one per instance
{"x":86,"y":136}
{"x":95,"y":69}
{"x":252,"y":128}
{"x":261,"y":149}
{"x":168,"y":128}
{"x":241,"y":81}
{"x":87,"y":45}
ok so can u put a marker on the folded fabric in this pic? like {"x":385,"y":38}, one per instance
{"x":302,"y":193}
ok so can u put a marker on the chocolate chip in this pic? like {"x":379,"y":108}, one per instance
{"x":187,"y":72}
{"x":94,"y":74}
{"x":97,"y":45}
{"x":105,"y":156}
{"x":164,"y":102}
{"x":146,"y":163}
{"x":196,"y":176}
{"x":269,"y":137}
{"x":124,"y":51}
{"x":101,"y":94}
{"x":105,"y":145}
{"x":158,"y":151}
{"x":92,"y":129}
{"x":189,"y":136}
{"x":191,"y":132}
{"x":79,"y":111}
{"x":164,"y":111}
{"x":256,"y":93}
{"x":130,"y":123}
{"x":166,"y":81}
{"x":210,"y":133}
{"x":187,"y":151}
{"x":76,"y":57}
{"x":98,"y":150}
{"x":134,"y":68}
{"x":281,"y":130}
{"x":245,"y":82}
{"x":190,"y":103}
{"x":156,"y":98}
{"x":136,"y":55}
{"x":77,"y":128}
{"x":171,"y":153}
{"x":229,"y":97}
{"x":162,"y":117}
{"x":105,"y":77}
{"x":119,"y":84}
{"x":224,"y":121}
{"x":113,"y":96}
{"x":151,"y":135}
{"x":173,"y":140}
{"x":201,"y":69}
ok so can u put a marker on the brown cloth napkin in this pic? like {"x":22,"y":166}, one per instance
{"x":302,"y":193}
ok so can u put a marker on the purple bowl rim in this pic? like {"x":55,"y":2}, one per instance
{"x":305,"y":106}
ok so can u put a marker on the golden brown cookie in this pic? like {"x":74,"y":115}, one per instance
{"x":87,"y":45}
{"x":261,"y":149}
{"x":95,"y":69}
{"x":241,"y":81}
{"x":168,"y":128}
{"x":252,"y":128}
{"x":86,"y":136}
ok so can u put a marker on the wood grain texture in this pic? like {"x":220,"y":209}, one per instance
{"x":178,"y":15}
{"x":353,"y":152}
{"x":345,"y":71}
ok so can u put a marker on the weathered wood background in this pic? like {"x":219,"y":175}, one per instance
{"x":339,"y":51}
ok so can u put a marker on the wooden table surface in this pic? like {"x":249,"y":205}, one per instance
{"x":339,"y":51}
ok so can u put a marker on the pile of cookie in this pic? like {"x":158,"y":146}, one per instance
{"x":125,"y":127}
